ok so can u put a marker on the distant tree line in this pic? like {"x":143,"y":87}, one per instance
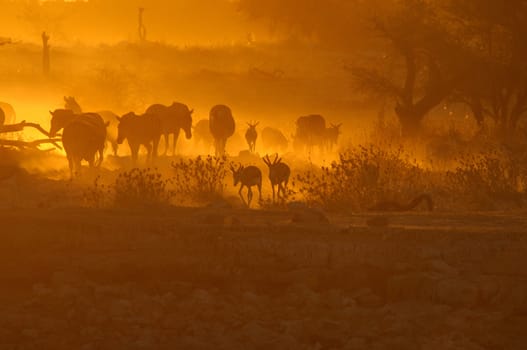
{"x":423,"y":52}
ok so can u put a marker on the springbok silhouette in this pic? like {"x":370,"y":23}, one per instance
{"x":278,"y":175}
{"x":251,"y":135}
{"x":248,"y":177}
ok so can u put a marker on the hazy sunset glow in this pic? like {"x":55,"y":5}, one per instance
{"x":263,"y":174}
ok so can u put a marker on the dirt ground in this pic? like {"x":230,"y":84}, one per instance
{"x":220,"y":278}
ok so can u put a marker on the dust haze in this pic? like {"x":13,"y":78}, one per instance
{"x":285,"y":174}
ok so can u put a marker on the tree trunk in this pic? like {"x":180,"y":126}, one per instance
{"x":410,"y":120}
{"x":45,"y":54}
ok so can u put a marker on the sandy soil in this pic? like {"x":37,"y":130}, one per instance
{"x":216,"y":278}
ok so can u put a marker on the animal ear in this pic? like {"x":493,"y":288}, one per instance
{"x":118,"y":118}
{"x":50,"y":112}
{"x":191,"y":111}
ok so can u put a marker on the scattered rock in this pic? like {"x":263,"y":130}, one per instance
{"x":378,"y":221}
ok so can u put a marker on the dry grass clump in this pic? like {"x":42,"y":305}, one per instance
{"x":99,"y":195}
{"x":141,"y":188}
{"x":200,"y":179}
{"x":136,"y":188}
{"x":490,"y":179}
{"x":362,"y":176}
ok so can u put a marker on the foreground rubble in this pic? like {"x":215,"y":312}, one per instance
{"x":89,"y":279}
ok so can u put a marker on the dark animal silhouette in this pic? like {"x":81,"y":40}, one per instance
{"x":173,"y":118}
{"x":310,"y":132}
{"x":61,"y":118}
{"x":274,"y":140}
{"x":140,"y":130}
{"x":278,"y":175}
{"x":222,"y":127}
{"x":109,"y":117}
{"x":202,"y":133}
{"x":394,"y":206}
{"x":332,"y":136}
{"x":248,"y":177}
{"x":9,"y":113}
{"x":2,"y":117}
{"x":251,"y":135}
{"x":83,"y":136}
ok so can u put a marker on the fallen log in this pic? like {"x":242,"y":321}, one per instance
{"x":30,"y":144}
{"x":21,"y":126}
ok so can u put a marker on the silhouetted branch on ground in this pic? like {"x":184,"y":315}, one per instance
{"x":30,"y":144}
{"x":20,"y":127}
{"x":27,"y":144}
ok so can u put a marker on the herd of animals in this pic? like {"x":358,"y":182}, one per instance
{"x":85,"y":135}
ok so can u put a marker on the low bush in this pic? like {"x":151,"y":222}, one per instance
{"x":201,"y":179}
{"x":363,"y":176}
{"x":490,"y":179}
{"x":141,"y":188}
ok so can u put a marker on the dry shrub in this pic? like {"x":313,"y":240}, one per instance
{"x":488,"y":179}
{"x":363,"y":176}
{"x":141,"y":188}
{"x":200,"y":179}
{"x":98,"y":195}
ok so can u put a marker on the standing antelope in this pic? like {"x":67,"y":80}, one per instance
{"x":248,"y":177}
{"x":251,"y":135}
{"x":332,"y":136}
{"x":278,"y":175}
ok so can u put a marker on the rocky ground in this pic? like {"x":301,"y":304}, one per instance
{"x":230,"y":278}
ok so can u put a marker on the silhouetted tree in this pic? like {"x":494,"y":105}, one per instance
{"x":45,"y":53}
{"x":496,"y":34}
{"x":421,"y":50}
{"x":141,"y":25}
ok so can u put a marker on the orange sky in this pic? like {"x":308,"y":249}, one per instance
{"x":201,"y":22}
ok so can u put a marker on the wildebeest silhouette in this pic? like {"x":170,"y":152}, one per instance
{"x":140,"y":130}
{"x":173,"y":118}
{"x":222,"y":126}
{"x":109,"y":117}
{"x":310,"y":132}
{"x":9,"y":113}
{"x":274,"y":140}
{"x":251,"y":135}
{"x":92,"y":122}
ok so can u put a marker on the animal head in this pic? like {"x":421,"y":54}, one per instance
{"x":59,"y":119}
{"x":333,"y":132}
{"x":271,"y":164}
{"x":237,"y":174}
{"x":253,"y":125}
{"x":335,"y":127}
{"x":125,"y":124}
{"x":185,"y":114}
{"x":278,"y":171}
{"x":72,"y":104}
